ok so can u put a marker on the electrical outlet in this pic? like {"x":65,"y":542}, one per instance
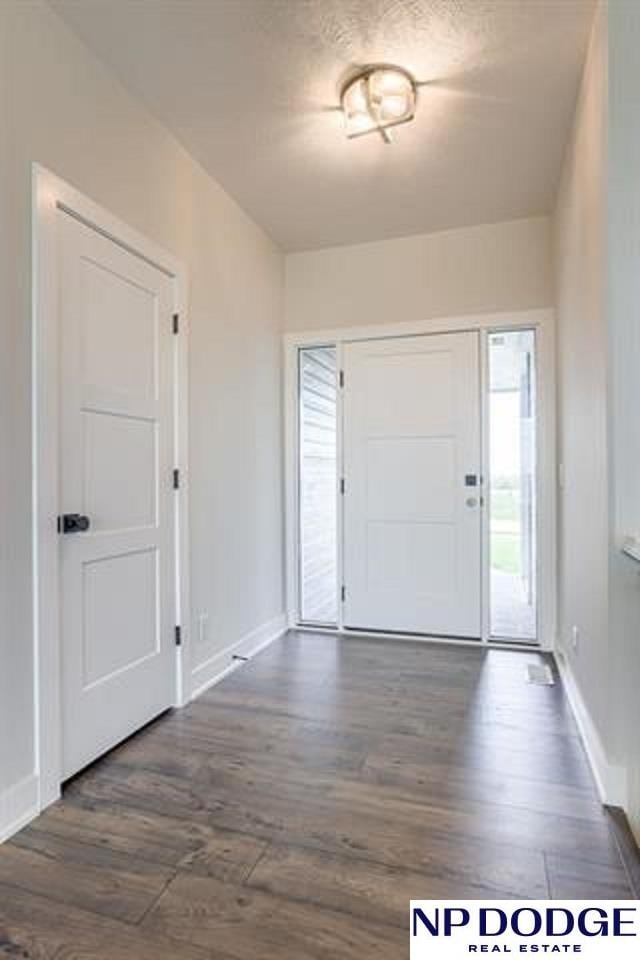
{"x":575,"y":638}
{"x":203,"y":628}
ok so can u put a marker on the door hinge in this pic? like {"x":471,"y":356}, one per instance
{"x":178,"y":636}
{"x":176,"y":322}
{"x":342,"y":486}
{"x":341,"y":378}
{"x":343,"y":593}
{"x":176,"y":479}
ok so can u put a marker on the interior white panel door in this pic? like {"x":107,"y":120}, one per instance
{"x":412,"y":516}
{"x":116,"y":455}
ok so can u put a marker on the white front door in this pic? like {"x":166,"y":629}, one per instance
{"x":412,"y":516}
{"x":116,"y":456}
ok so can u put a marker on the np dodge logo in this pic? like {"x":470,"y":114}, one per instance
{"x":607,"y":929}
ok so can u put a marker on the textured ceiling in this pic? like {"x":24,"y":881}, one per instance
{"x":249,"y":87}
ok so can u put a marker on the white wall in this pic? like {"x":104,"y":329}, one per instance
{"x":485,"y":269}
{"x":624,"y":380}
{"x":580,"y":245}
{"x":597,"y":247}
{"x":58,"y":106}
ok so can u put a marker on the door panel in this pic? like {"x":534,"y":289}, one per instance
{"x":117,"y":636}
{"x":116,"y":405}
{"x":119,"y":470}
{"x":111,"y":300}
{"x":411,"y":479}
{"x":412,"y":525}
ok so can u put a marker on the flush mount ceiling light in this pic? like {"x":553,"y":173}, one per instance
{"x":376,"y":98}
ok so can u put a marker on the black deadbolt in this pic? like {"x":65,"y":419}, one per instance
{"x":74,"y":523}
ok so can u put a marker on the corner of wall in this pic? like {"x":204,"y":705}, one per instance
{"x":610,"y":778}
{"x":18,"y":805}
{"x":223,"y":662}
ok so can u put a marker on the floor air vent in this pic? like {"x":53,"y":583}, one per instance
{"x":540,"y":673}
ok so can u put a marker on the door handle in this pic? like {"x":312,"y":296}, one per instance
{"x":73,"y":523}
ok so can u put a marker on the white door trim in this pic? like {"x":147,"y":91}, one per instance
{"x":49,"y":195}
{"x":542,"y":321}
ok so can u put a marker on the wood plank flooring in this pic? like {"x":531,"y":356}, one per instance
{"x":294,"y":810}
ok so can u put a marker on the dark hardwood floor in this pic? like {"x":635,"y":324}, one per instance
{"x":294,"y":810}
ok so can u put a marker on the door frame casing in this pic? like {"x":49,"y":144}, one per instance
{"x":50,"y":197}
{"x":540,"y":320}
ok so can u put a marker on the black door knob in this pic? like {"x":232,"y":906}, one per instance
{"x":74,"y":523}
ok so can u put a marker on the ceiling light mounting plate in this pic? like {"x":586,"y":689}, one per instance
{"x":376,"y":98}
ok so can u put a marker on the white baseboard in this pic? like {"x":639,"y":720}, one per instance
{"x":18,"y":805}
{"x":211,"y":671}
{"x":610,"y":779}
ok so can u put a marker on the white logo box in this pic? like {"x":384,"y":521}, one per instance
{"x":593,"y":929}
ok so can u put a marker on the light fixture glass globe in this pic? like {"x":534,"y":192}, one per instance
{"x":376,"y":99}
